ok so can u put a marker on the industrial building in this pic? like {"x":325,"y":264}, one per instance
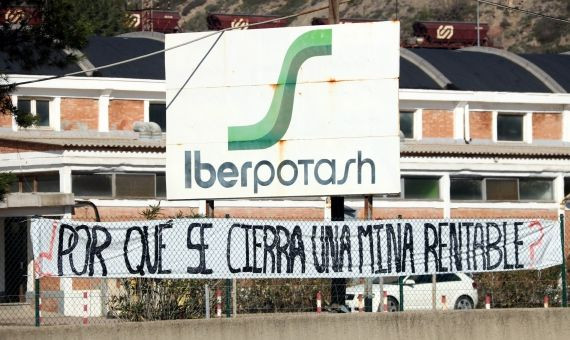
{"x":484,"y":133}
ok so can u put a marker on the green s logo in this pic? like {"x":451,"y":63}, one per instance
{"x":273,"y":126}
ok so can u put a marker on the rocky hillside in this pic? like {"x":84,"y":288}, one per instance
{"x":512,"y":30}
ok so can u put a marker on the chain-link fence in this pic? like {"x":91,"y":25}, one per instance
{"x":52,"y":270}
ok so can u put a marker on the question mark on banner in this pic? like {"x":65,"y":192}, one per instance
{"x":536,"y":243}
{"x":46,"y":254}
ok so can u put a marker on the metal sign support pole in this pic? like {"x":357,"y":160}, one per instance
{"x":368,"y":294}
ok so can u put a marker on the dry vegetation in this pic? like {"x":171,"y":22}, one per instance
{"x":513,"y":30}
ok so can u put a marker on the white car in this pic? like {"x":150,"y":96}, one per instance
{"x":459,"y":289}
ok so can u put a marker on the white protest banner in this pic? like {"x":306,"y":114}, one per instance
{"x":224,"y":248}
{"x":296,"y":111}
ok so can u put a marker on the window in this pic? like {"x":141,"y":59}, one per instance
{"x":510,"y":127}
{"x":47,"y":183}
{"x":407,"y":123}
{"x":502,"y":189}
{"x":121,"y":185}
{"x":157,"y":114}
{"x":535,"y":189}
{"x":134,"y":185}
{"x":447,"y":278}
{"x":37,"y":107}
{"x":95,"y":185}
{"x":40,"y":182}
{"x":420,"y":188}
{"x":421,"y":279}
{"x":466,"y":189}
{"x":427,"y":279}
{"x":160,"y":185}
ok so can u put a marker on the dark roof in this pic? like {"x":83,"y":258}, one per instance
{"x":16,"y":68}
{"x":556,"y":65}
{"x":466,"y":70}
{"x":411,"y":77}
{"x":476,"y":71}
{"x":106,"y":50}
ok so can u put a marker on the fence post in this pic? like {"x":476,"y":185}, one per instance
{"x":207,"y":298}
{"x":433,"y":292}
{"x":563,"y":267}
{"x":228,"y":298}
{"x":218,"y":303}
{"x":234,"y":297}
{"x":85,"y":308}
{"x":37,"y":301}
{"x":401,"y":284}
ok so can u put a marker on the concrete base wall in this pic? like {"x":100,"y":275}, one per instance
{"x":513,"y":324}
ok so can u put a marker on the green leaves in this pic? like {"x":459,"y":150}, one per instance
{"x":6,"y":180}
{"x":64,"y":24}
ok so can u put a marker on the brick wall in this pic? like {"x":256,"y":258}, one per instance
{"x":50,"y":283}
{"x":437,"y":124}
{"x":502,"y":213}
{"x":5,"y":120}
{"x":126,"y":213}
{"x":80,"y":283}
{"x":8,"y":146}
{"x":271,"y":213}
{"x":390,"y":213}
{"x":123,"y":113}
{"x":481,"y":124}
{"x":133,"y":213}
{"x":546,"y":125}
{"x":79,"y":114}
{"x":50,"y":303}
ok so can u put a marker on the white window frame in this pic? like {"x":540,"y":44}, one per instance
{"x":53,"y":110}
{"x":484,"y":180}
{"x":147,"y":104}
{"x":114,"y":184}
{"x":526,"y":128}
{"x":440,"y":185}
{"x":416,"y":121}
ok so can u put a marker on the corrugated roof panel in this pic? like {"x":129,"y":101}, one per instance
{"x":475,"y":71}
{"x":556,"y":65}
{"x":484,"y":150}
{"x":43,"y":70}
{"x":107,"y":50}
{"x":87,"y":140}
{"x":412,"y":77}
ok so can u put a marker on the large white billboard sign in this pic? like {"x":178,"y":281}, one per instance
{"x":298,"y":111}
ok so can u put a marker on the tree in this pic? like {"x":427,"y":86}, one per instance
{"x":39,"y":34}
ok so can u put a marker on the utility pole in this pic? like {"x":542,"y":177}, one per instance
{"x":478,"y":29}
{"x":334,"y":17}
{"x":338,"y":285}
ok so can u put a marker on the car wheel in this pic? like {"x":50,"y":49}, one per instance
{"x":464,"y":302}
{"x":393,"y":305}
